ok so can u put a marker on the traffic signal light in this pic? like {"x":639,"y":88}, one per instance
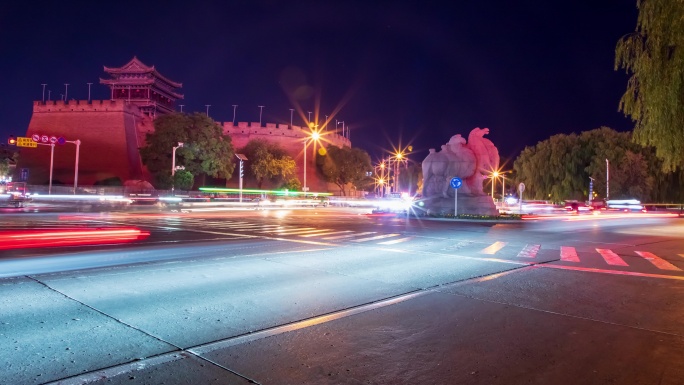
{"x":12,"y":141}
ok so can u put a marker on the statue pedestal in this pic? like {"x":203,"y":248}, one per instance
{"x":467,"y":204}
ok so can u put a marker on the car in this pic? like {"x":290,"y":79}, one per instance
{"x":14,"y":194}
{"x":392,"y":203}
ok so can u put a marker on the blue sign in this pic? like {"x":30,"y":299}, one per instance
{"x":61,"y":140}
{"x":456,"y":182}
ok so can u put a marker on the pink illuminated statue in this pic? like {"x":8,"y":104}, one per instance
{"x":470,"y":161}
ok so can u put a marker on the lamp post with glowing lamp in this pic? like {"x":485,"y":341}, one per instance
{"x":380,"y":177}
{"x":495,"y":175}
{"x":314,"y":136}
{"x":173,"y":164}
{"x":399,"y":157}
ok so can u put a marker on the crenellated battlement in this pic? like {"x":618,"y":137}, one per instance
{"x":251,"y":130}
{"x":83,"y":105}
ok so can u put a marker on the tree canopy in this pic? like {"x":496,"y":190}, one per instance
{"x":654,"y":56}
{"x":8,"y":155}
{"x":345,"y":166}
{"x":206,"y":150}
{"x":269,"y":162}
{"x":560,"y":167}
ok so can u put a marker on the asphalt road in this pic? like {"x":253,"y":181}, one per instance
{"x":338,"y":296}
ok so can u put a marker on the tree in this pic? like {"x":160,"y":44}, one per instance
{"x":268,"y":161}
{"x":559,"y":168}
{"x":292,"y":184}
{"x":654,"y":55}
{"x":345,"y":166}
{"x":183,"y":180}
{"x":8,"y":156}
{"x":206,"y":150}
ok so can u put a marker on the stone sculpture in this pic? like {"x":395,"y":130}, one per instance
{"x":471,"y":161}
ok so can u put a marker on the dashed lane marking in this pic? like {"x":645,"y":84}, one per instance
{"x":530,"y":251}
{"x":657,"y":261}
{"x":493,"y":248}
{"x":611,"y":258}
{"x":569,"y":254}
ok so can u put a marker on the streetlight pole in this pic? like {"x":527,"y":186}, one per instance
{"x":66,"y":89}
{"x":43,"y":91}
{"x":52,"y":158}
{"x":207,"y":105}
{"x":234,"y":108}
{"x":399,"y":157}
{"x":261,"y":109}
{"x":242,"y":158}
{"x":291,"y":116}
{"x":314,"y":136}
{"x":607,"y":180}
{"x":173,"y":165}
{"x":89,"y":84}
{"x":495,"y":175}
{"x":78,"y":147}
{"x":503,"y":189}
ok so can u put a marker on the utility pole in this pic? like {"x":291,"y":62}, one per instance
{"x":43,"y":92}
{"x":261,"y":109}
{"x":89,"y":84}
{"x":181,"y":107}
{"x":309,"y":117}
{"x":234,"y":108}
{"x":291,"y":116}
{"x":66,"y":89}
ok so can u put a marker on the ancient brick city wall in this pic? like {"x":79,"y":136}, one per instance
{"x":110,"y":132}
{"x":291,"y":139}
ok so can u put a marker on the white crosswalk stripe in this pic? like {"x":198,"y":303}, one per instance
{"x":327,"y":233}
{"x":383,"y":236}
{"x":657,"y":261}
{"x":288,"y":230}
{"x":611,"y":258}
{"x":395,"y":241}
{"x":493,"y":248}
{"x":569,"y":254}
{"x":299,"y":232}
{"x":348,"y":236}
{"x":530,"y":251}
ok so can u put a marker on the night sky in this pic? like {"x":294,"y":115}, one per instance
{"x":396,"y":72}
